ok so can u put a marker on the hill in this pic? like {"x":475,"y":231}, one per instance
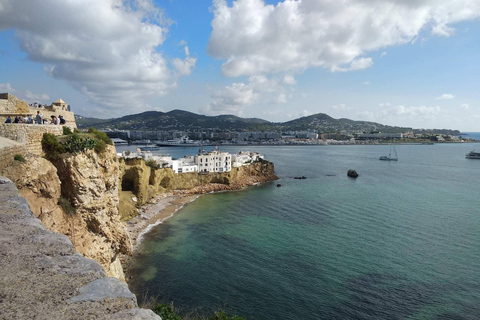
{"x":188,"y":121}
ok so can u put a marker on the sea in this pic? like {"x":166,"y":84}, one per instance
{"x":402,"y":241}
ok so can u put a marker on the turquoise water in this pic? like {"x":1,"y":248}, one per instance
{"x":400,"y":242}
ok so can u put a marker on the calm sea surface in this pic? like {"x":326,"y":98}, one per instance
{"x":400,"y":242}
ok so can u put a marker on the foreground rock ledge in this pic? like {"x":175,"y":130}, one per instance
{"x":42,"y":277}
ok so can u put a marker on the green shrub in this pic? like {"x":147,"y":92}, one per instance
{"x":67,"y":131}
{"x":77,"y":144}
{"x":166,"y":312}
{"x":75,"y":130}
{"x":100,"y":135}
{"x":19,"y":157}
{"x":100,"y":146}
{"x":51,"y":146}
{"x":221,"y":315}
{"x":152,"y":164}
{"x":66,"y":206}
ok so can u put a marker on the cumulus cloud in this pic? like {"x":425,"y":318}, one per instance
{"x":446,"y":96}
{"x":26,"y":95}
{"x":464,"y":106}
{"x":421,"y":111}
{"x":106,"y":49}
{"x":231,"y":100}
{"x":258,"y":38}
{"x":383,"y":54}
{"x":236,"y":98}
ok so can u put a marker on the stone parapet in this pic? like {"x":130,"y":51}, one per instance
{"x":55,"y":111}
{"x":43,"y":277}
{"x":28,"y":134}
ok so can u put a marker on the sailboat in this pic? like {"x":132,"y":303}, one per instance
{"x":390,"y":157}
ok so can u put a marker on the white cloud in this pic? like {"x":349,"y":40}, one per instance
{"x":464,"y":106}
{"x":385,"y":104}
{"x":236,"y":98}
{"x":340,"y":107}
{"x":288,"y":79}
{"x":366,"y":83}
{"x":258,"y":38}
{"x":383,"y":54}
{"x":106,"y":49}
{"x":421,"y":111}
{"x":446,"y":96}
{"x":26,"y":95}
{"x":231,"y":100}
{"x":6,"y":88}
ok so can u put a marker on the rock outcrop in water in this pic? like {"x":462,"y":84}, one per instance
{"x":352,"y":173}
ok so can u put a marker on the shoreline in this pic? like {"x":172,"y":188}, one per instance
{"x":156,"y":211}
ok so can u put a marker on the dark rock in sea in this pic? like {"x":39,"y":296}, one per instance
{"x":301,"y":178}
{"x":279,"y":185}
{"x":352,"y":173}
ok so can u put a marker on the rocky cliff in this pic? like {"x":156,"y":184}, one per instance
{"x":143,"y":182}
{"x":42,"y":277}
{"x":77,"y":195}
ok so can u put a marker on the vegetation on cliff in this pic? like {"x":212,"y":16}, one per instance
{"x":167,"y":312}
{"x":74,"y":142}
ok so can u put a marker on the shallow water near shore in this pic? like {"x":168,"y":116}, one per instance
{"x":402,"y":241}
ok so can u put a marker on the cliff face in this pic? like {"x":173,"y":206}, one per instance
{"x":144,"y":182}
{"x":44,"y":278}
{"x":87,"y":185}
{"x":90,"y":183}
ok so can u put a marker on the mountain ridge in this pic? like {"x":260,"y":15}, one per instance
{"x":188,"y":121}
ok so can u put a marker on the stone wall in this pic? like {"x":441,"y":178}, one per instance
{"x":28,"y":134}
{"x":43,"y":278}
{"x":12,"y":105}
{"x":7,"y":154}
{"x":55,"y":111}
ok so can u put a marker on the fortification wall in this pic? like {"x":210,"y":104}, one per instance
{"x":12,"y":105}
{"x":55,"y":111}
{"x":29,"y":135}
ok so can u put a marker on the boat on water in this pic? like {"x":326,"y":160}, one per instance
{"x":473,"y":155}
{"x":182,"y":142}
{"x":150,"y":148}
{"x":391,"y":156}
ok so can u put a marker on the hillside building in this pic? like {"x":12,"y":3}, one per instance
{"x":214,"y":161}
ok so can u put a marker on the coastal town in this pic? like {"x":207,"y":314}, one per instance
{"x":203,"y":162}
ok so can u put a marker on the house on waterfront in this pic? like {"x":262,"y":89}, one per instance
{"x":243,"y":158}
{"x":184,"y":165}
{"x":214,"y":161}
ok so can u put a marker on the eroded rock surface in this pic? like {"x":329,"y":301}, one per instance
{"x":42,"y":277}
{"x":89,"y":184}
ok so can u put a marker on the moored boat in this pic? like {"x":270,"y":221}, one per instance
{"x":182,"y":142}
{"x":390,"y":157}
{"x":473,"y":155}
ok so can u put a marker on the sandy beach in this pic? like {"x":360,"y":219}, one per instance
{"x":155,"y":212}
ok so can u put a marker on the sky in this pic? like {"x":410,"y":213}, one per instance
{"x":412,"y":63}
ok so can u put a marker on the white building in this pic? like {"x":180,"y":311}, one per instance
{"x":214,"y":161}
{"x":245,"y":157}
{"x":184,"y":165}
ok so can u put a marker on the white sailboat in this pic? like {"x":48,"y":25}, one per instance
{"x":390,"y":157}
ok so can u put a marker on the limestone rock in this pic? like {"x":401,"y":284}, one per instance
{"x":40,"y":272}
{"x":352,"y":173}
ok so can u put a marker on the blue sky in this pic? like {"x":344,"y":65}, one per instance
{"x":406,"y":63}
